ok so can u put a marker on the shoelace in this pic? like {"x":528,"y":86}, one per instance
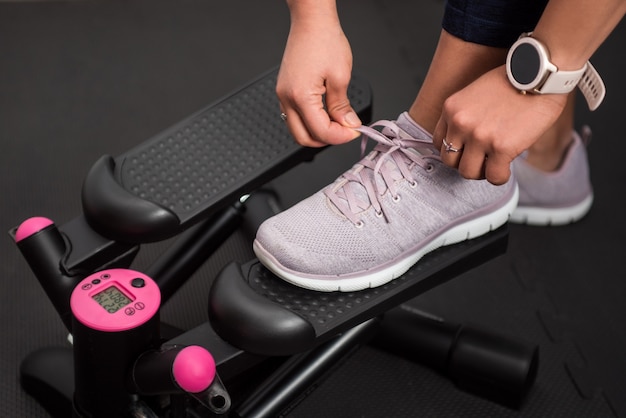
{"x":374,"y":176}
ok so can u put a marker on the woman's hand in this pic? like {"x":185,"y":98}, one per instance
{"x":313,"y":80}
{"x":490,"y":123}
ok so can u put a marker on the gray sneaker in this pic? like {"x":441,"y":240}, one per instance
{"x":555,"y":198}
{"x":380,"y":217}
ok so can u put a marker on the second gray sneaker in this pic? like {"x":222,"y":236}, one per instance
{"x":379,"y":218}
{"x":559,"y":197}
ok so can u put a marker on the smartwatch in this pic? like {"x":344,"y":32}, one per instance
{"x":530,"y":70}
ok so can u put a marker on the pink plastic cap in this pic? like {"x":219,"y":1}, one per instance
{"x":194,"y":369}
{"x":31,"y":226}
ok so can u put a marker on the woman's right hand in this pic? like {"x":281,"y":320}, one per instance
{"x":314,"y":76}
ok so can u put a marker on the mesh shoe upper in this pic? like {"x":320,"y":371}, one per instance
{"x":378,"y":218}
{"x":559,"y":197}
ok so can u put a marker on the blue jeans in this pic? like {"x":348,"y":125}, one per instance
{"x":496,"y":23}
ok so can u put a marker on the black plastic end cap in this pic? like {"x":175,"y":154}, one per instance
{"x":494,"y":366}
{"x":117,"y":214}
{"x":253,"y":323}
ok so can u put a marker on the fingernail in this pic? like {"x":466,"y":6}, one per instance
{"x":352,"y":119}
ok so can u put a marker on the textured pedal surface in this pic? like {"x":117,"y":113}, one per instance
{"x":198,"y":165}
{"x":254,"y":310}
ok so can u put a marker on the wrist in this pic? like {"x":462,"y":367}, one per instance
{"x":313,"y":11}
{"x":562,"y":55}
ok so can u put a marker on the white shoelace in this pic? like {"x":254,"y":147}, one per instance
{"x":393,"y":144}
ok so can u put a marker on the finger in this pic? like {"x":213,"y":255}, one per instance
{"x":449,"y":144}
{"x":298,"y":130}
{"x":439,"y":133}
{"x":322,"y":129}
{"x":338,"y":104}
{"x":311,"y":125}
{"x":472,"y":163}
{"x":498,"y":168}
{"x":451,"y":152}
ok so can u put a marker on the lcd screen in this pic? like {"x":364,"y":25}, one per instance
{"x":111,"y":299}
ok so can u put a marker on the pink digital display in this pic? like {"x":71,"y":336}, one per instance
{"x":115,"y":300}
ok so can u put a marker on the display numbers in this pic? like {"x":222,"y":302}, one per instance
{"x":111,"y":299}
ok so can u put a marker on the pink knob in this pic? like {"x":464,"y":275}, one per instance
{"x":31,"y":226}
{"x":194,"y":369}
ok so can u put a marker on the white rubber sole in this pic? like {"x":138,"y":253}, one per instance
{"x":551,"y":217}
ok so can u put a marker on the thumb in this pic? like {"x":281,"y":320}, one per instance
{"x":350,"y":119}
{"x":339,"y":108}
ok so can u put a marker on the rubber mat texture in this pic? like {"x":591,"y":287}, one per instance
{"x":83,"y":79}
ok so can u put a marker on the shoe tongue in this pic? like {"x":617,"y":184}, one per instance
{"x":407,"y":124}
{"x":414,"y":130}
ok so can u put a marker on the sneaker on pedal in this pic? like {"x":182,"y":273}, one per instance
{"x":379,"y":218}
{"x":558,"y":197}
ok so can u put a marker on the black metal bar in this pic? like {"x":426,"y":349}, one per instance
{"x":301,"y":372}
{"x":185,"y":256}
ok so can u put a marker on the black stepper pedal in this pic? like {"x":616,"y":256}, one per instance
{"x":252,"y":309}
{"x":199,"y":165}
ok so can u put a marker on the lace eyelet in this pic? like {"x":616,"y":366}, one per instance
{"x":396,"y":198}
{"x":378,"y":214}
{"x":430,"y":168}
{"x":413,"y":184}
{"x":359,"y":224}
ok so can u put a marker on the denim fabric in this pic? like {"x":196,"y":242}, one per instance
{"x":496,"y":23}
